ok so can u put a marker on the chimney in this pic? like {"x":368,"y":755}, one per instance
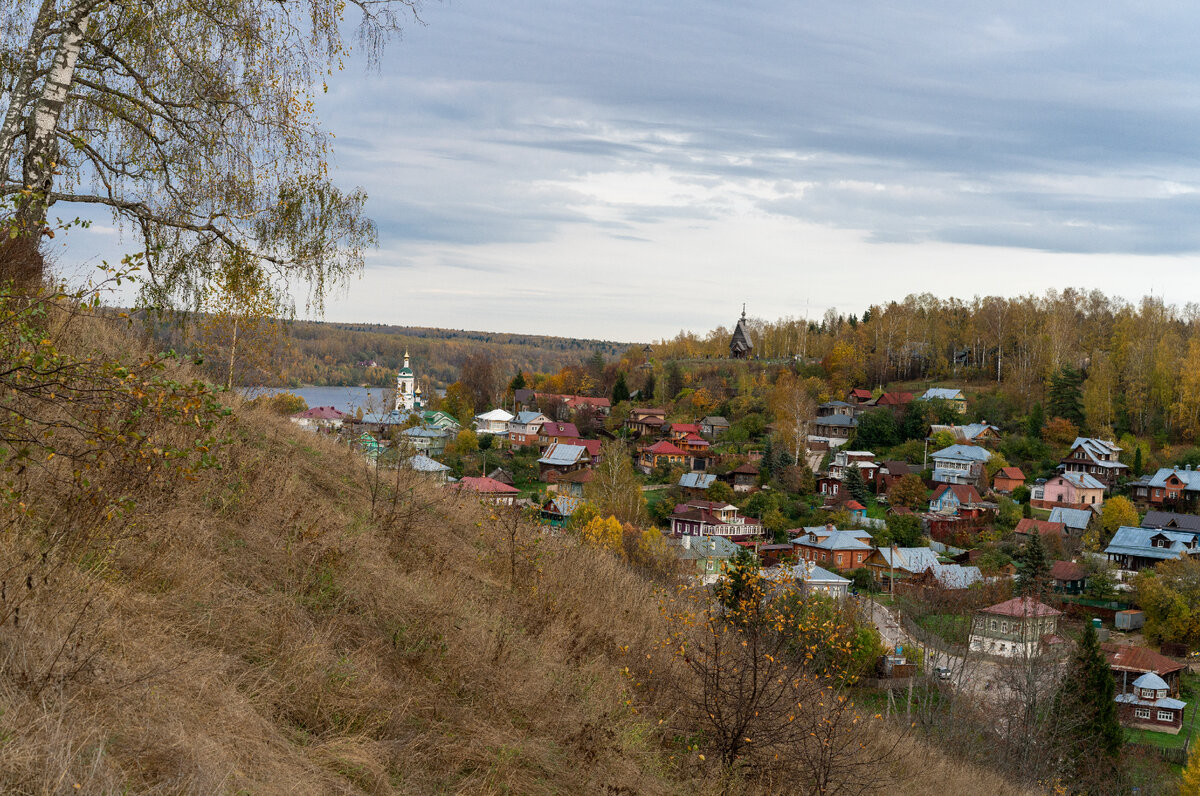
{"x":829,"y":527}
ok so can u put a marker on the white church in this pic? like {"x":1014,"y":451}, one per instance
{"x":408,"y":392}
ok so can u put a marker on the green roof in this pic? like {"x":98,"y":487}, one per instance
{"x":406,"y":371}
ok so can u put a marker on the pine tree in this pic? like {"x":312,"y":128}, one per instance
{"x":855,"y":484}
{"x":518,"y":382}
{"x":1066,"y":395}
{"x":1032,"y":577}
{"x":620,"y":391}
{"x":1087,"y":711}
{"x":1138,"y":465}
{"x":1037,"y":419}
{"x":648,"y":388}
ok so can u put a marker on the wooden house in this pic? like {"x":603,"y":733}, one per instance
{"x":1007,"y":479}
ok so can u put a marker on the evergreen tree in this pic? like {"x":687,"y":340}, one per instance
{"x":620,"y":391}
{"x":1066,"y":395}
{"x":517,"y":383}
{"x":674,"y":381}
{"x":1031,"y":580}
{"x":1037,"y":419}
{"x":648,"y":388}
{"x":1086,"y":707}
{"x":1138,"y":464}
{"x":855,"y":485}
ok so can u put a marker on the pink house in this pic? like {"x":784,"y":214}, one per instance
{"x":1077,"y":489}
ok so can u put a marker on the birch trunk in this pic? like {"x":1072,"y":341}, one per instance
{"x":22,"y":90}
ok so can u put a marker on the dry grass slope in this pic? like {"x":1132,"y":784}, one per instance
{"x":259,"y":629}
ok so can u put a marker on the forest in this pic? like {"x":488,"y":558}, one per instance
{"x":1137,"y":364}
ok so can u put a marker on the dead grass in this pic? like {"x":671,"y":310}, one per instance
{"x":254,"y":630}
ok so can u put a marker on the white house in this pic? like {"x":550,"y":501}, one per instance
{"x":493,"y":422}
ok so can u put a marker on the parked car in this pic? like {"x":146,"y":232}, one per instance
{"x":942,"y":673}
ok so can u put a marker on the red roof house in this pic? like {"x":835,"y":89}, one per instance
{"x":661,"y":453}
{"x":1008,"y":479}
{"x":489,"y":489}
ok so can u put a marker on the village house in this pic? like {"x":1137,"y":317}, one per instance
{"x":709,"y":518}
{"x":561,"y":458}
{"x":1169,"y":486}
{"x":420,"y":463}
{"x":833,"y":430}
{"x":642,"y":422}
{"x":1128,"y":663}
{"x":320,"y":417}
{"x":950,"y":395}
{"x":945,"y":578}
{"x":488,"y":490}
{"x":1020,"y":627}
{"x":524,"y":428}
{"x":1007,"y":479}
{"x":1068,"y":577}
{"x":661,"y":454}
{"x":1098,"y":458}
{"x":894,"y":402}
{"x":553,"y":432}
{"x":1134,"y":549}
{"x":1075,"y":521}
{"x":954,"y":498}
{"x":864,"y":460}
{"x":830,"y":408}
{"x":429,"y":441}
{"x":1170,"y":521}
{"x":827,"y":545}
{"x":744,"y":477}
{"x":1043,"y":528}
{"x":1072,"y":490}
{"x":529,"y":400}
{"x":572,"y":483}
{"x":815,"y":580}
{"x":713,"y":426}
{"x":695,"y":485}
{"x":494,"y":422}
{"x":960,"y":464}
{"x":1148,"y":707}
{"x":859,"y":396}
{"x":558,"y":509}
{"x":970,"y":434}
{"x":888,"y":564}
{"x":435,"y":419}
{"x":890,"y":472}
{"x":709,"y":554}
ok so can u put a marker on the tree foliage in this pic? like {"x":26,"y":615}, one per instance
{"x":1093,"y":738}
{"x":909,"y":491}
{"x":1170,"y":596}
{"x":193,"y":123}
{"x":615,"y":490}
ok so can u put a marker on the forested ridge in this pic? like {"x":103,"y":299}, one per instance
{"x":331,"y":354}
{"x":1138,"y":364}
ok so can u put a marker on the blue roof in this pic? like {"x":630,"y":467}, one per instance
{"x":562,"y":454}
{"x":912,"y":559}
{"x":392,"y":418}
{"x":1137,"y":542}
{"x":1190,"y":478}
{"x":944,"y":393}
{"x":965,"y":453}
{"x":1165,"y":702}
{"x":816,"y":574}
{"x":1082,"y":480}
{"x":423,"y":464}
{"x":424,"y":431}
{"x":525,"y":418}
{"x":697,"y":480}
{"x":1072,"y":518}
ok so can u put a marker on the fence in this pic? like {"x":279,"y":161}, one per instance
{"x":1178,"y":755}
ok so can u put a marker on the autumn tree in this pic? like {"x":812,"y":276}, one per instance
{"x":615,"y":489}
{"x":795,"y":409}
{"x":1170,"y":596}
{"x":909,"y":491}
{"x":1117,"y":512}
{"x":236,"y":326}
{"x":193,"y":124}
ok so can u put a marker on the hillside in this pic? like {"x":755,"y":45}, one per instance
{"x":330,"y":354}
{"x":220,"y":602}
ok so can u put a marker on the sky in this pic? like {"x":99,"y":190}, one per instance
{"x":628,"y":170}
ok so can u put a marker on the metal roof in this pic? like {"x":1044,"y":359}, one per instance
{"x":1072,"y":518}
{"x":962,"y":453}
{"x":423,"y":464}
{"x":1137,"y":542}
{"x":561,"y":454}
{"x":943,"y":393}
{"x":911,"y":559}
{"x":1082,"y":480}
{"x":1165,"y":702}
{"x":697,"y":480}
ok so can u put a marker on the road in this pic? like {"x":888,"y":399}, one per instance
{"x":971,"y":674}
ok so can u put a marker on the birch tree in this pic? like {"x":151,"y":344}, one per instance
{"x":192,"y":122}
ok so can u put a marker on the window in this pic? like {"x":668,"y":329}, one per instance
{"x":1004,"y":627}
{"x":993,"y":625}
{"x":1141,"y":713}
{"x":1166,"y":715}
